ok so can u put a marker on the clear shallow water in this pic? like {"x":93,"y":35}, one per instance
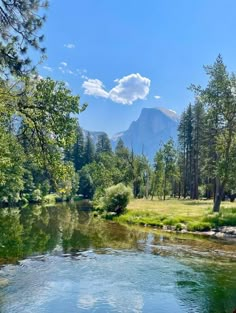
{"x":69,"y":262}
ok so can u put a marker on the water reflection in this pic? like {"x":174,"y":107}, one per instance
{"x":76,"y":263}
{"x":38,"y":230}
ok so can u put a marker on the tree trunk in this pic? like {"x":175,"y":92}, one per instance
{"x":164,"y":189}
{"x":219,"y":190}
{"x":179,"y":190}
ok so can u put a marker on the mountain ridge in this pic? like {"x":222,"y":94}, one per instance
{"x":154,"y":127}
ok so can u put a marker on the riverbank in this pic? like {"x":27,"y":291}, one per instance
{"x":186,"y":216}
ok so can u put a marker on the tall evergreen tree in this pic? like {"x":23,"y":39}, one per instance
{"x":219,"y":98}
{"x":79,"y":149}
{"x":103,"y":144}
{"x":89,"y":150}
{"x":169,"y":161}
{"x":198,"y":146}
{"x":185,"y":134}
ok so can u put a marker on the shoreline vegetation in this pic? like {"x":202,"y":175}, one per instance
{"x":178,"y":215}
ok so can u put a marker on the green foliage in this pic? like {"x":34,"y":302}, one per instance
{"x":116,"y":198}
{"x":36,"y":196}
{"x":89,"y":150}
{"x":219,"y":100}
{"x":103,"y":144}
{"x":78,"y":149}
{"x":199,"y":226}
{"x":11,"y":167}
{"x":224,"y":218}
{"x":37,"y":116}
{"x":86,"y":185}
{"x":20,"y":23}
{"x":165,"y":169}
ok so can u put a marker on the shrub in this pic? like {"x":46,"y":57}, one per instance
{"x":199,"y":226}
{"x":179,"y":227}
{"x":116,"y":198}
{"x":36,"y":196}
{"x":221,"y":219}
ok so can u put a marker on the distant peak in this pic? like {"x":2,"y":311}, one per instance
{"x":168,"y":112}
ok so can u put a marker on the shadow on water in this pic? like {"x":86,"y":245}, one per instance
{"x":200,"y":274}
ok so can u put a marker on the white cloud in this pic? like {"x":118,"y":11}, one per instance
{"x":62,"y":69}
{"x":81,"y":73}
{"x":94,"y":87}
{"x":69,"y":46}
{"x":157,"y":97}
{"x":127,"y":90}
{"x":130,"y":88}
{"x":47,"y":68}
{"x":84,"y":77}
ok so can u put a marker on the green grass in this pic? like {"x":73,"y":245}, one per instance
{"x":51,"y":198}
{"x":191,"y":215}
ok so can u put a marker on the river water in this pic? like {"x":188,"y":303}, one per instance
{"x":61,"y":259}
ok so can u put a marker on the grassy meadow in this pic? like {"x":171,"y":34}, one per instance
{"x":179,"y":214}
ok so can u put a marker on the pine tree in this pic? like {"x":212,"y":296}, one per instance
{"x":198,"y":145}
{"x":185,"y":135}
{"x":79,"y":149}
{"x":219,"y":98}
{"x":103,"y":144}
{"x":89,"y":150}
{"x":19,"y":26}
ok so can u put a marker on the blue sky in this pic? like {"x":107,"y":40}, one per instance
{"x":123,"y":55}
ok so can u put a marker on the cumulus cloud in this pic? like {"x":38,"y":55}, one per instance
{"x":95,"y":87}
{"x":47,"y":68}
{"x":69,"y":46}
{"x":130,"y":88}
{"x":157,"y":97}
{"x":63,"y":63}
{"x":127,"y":90}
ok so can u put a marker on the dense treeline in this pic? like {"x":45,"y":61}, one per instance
{"x":207,"y":137}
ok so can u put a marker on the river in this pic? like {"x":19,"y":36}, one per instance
{"x":61,"y":259}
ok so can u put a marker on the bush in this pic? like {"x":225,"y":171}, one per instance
{"x":116,"y":198}
{"x":179,"y":226}
{"x":36,"y":196}
{"x":199,"y":226}
{"x":222,"y":219}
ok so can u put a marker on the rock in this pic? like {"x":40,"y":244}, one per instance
{"x":3,"y":282}
{"x":219,"y":235}
{"x":228,"y":230}
{"x":210,"y":233}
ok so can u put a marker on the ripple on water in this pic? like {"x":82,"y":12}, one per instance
{"x":109,"y":281}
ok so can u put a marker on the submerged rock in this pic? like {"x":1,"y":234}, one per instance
{"x":3,"y":282}
{"x":228,"y":230}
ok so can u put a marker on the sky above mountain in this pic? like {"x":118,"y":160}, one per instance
{"x":122,"y":56}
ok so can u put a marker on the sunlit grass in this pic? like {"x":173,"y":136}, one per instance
{"x":195,"y":215}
